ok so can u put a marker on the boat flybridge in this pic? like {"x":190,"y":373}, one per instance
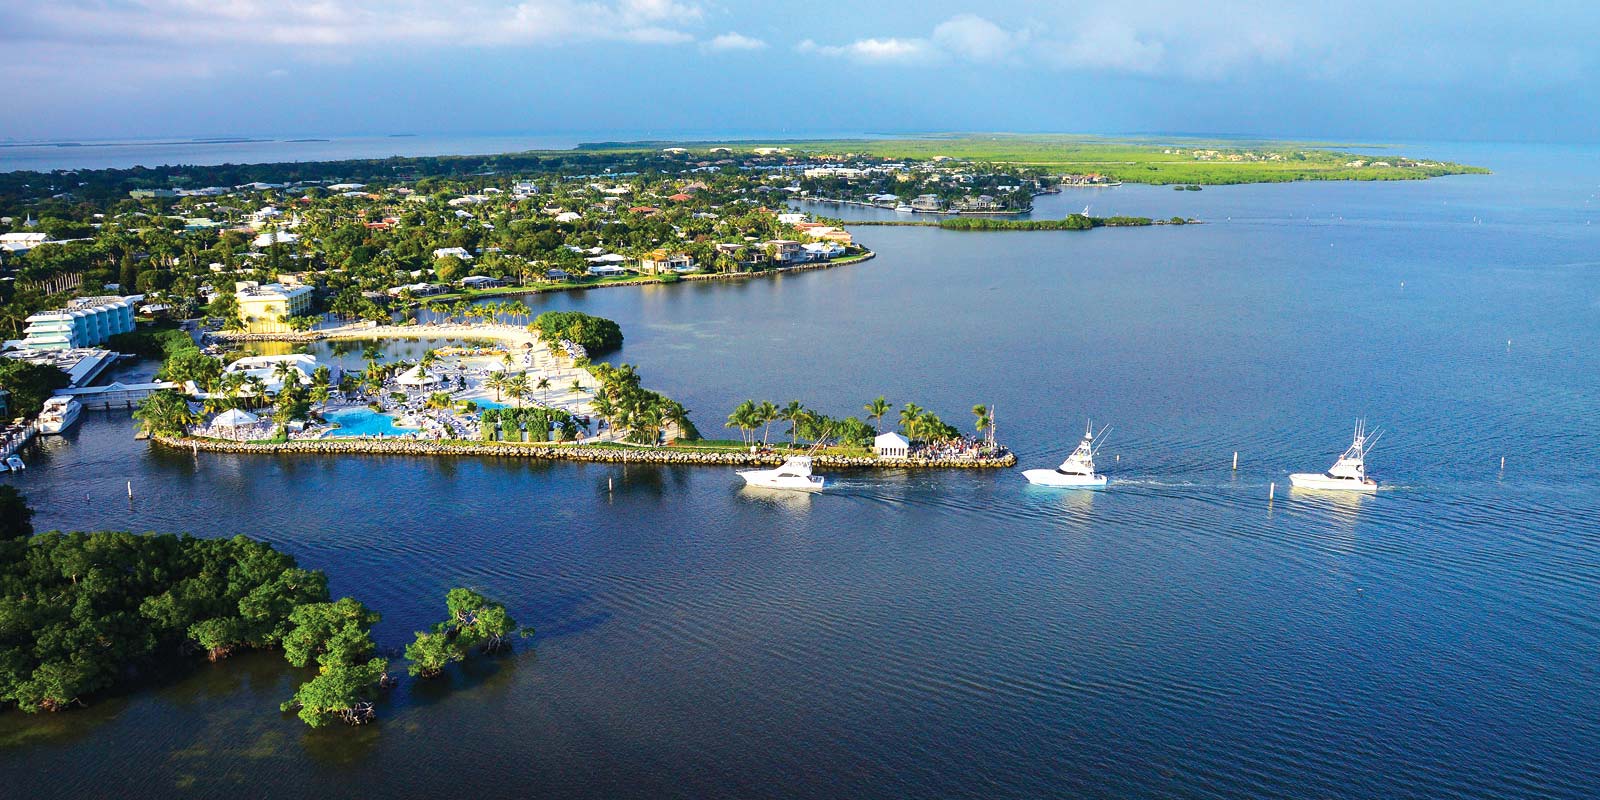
{"x":794,"y":474}
{"x":58,"y":414}
{"x":1077,"y":472}
{"x":1349,"y":473}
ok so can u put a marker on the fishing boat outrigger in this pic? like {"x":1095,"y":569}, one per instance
{"x":1077,"y":472}
{"x":1349,"y":473}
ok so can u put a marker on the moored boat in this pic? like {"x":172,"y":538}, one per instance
{"x":58,"y":414}
{"x":1077,"y":472}
{"x":794,"y":474}
{"x":1349,"y":473}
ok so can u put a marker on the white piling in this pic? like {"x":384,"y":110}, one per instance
{"x":1272,"y":490}
{"x":609,"y":486}
{"x":130,"y":490}
{"x":1502,"y":463}
{"x":1236,"y":461}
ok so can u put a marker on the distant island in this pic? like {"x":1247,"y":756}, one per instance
{"x":1154,"y":160}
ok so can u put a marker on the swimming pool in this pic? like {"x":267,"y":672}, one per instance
{"x":363,"y":422}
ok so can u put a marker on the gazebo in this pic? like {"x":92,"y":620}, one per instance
{"x":233,"y":419}
{"x":417,"y":377}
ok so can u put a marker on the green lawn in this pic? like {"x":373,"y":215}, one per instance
{"x":1158,"y":160}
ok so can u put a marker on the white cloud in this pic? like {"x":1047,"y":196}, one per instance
{"x":976,"y":39}
{"x":733,"y":40}
{"x":875,"y":51}
{"x":354,"y":23}
{"x":1107,"y":46}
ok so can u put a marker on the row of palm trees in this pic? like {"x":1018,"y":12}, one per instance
{"x":626,"y":405}
{"x":520,"y":385}
{"x":464,"y":312}
{"x":917,"y":422}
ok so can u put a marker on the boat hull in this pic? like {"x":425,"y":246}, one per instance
{"x":1323,"y":483}
{"x":762,"y":480}
{"x":1050,"y":477}
{"x":58,"y":426}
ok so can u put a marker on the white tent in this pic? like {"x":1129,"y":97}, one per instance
{"x":891,"y":445}
{"x":417,"y":376}
{"x":234,"y":418}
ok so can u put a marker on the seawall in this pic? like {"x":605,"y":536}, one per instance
{"x":559,"y":452}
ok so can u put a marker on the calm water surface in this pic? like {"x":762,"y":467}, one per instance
{"x":962,"y":634}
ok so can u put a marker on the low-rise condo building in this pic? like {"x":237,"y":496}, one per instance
{"x":84,"y":322}
{"x":264,"y":307}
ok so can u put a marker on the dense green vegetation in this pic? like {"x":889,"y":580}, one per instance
{"x":1158,"y":160}
{"x":623,"y":403}
{"x":597,"y":335}
{"x":337,"y":638}
{"x":80,"y":612}
{"x":534,"y":424}
{"x":29,"y":384}
{"x":1072,"y":222}
{"x":473,"y":621}
{"x":807,"y":425}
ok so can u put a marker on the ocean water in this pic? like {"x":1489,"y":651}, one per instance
{"x":962,"y":634}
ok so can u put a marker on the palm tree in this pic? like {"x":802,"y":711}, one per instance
{"x":497,"y":382}
{"x":743,"y":418}
{"x":256,"y":389}
{"x":767,"y":413}
{"x":165,"y":412}
{"x":875,"y":410}
{"x":792,"y":414}
{"x":284,"y":373}
{"x":984,"y":418}
{"x":603,"y":407}
{"x":544,"y":387}
{"x":910,"y":417}
{"x":517,"y":387}
{"x":577,"y":386}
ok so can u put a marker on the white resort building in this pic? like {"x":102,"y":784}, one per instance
{"x":84,"y":322}
{"x":891,"y":445}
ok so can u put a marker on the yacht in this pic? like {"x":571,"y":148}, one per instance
{"x":58,"y":414}
{"x":904,"y":208}
{"x":15,"y":463}
{"x":1349,"y":473}
{"x":795,"y":474}
{"x":1077,"y":472}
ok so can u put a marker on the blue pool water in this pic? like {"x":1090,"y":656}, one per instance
{"x":364,"y":422}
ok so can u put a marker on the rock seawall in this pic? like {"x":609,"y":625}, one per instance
{"x":604,"y":455}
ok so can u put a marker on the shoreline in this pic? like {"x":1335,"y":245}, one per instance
{"x":651,"y":280}
{"x":614,"y":454}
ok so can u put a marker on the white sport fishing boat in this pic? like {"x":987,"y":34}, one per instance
{"x":1077,"y":472}
{"x":795,"y":474}
{"x":1349,"y":473}
{"x":58,"y":414}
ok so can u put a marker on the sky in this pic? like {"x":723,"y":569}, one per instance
{"x":1360,"y":69}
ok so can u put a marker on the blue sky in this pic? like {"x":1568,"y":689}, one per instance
{"x":1378,"y":70}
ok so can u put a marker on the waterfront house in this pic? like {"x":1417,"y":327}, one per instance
{"x":607,"y":271}
{"x":785,"y":252}
{"x":891,"y":445}
{"x":823,"y":250}
{"x":659,"y":261}
{"x":479,"y":282}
